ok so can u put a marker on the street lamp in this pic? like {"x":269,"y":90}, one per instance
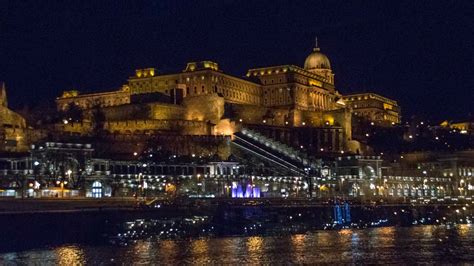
{"x":461,"y":186}
{"x":62,"y":183}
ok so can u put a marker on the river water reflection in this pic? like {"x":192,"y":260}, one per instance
{"x":408,"y":245}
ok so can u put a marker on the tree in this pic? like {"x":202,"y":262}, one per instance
{"x":64,"y":166}
{"x":98,"y":120}
{"x":73,"y":113}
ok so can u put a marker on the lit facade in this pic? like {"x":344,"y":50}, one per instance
{"x":374,"y":108}
{"x":92,"y":100}
{"x":301,"y":89}
{"x":13,"y":131}
{"x":464,"y":127}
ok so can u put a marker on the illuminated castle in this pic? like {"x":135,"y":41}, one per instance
{"x":297,"y":106}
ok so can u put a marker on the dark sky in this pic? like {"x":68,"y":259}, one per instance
{"x":419,"y":53}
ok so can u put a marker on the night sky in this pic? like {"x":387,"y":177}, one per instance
{"x":418,"y":53}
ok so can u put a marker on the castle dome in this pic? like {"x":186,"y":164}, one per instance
{"x":317,"y":60}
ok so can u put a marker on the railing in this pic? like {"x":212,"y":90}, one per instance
{"x":271,"y":150}
{"x":276,"y":146}
{"x":266,"y":155}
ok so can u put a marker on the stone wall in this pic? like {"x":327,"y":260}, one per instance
{"x":159,"y":111}
{"x":253,"y":114}
{"x":166,"y":111}
{"x":207,"y":107}
{"x":87,"y":101}
{"x":182,"y":127}
{"x":145,"y":126}
{"x":178,"y":145}
{"x":342,"y":118}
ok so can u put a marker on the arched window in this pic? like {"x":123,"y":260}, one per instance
{"x":97,"y":189}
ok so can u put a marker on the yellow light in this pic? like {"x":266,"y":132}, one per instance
{"x":139,"y":73}
{"x":316,"y":83}
{"x":387,"y":106}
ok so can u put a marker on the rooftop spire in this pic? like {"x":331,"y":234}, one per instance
{"x":3,"y":94}
{"x":316,"y":46}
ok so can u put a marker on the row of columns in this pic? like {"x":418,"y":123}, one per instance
{"x":320,"y":100}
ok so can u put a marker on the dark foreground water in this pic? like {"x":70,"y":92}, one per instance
{"x":383,"y":245}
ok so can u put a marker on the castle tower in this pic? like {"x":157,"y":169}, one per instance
{"x":3,"y":95}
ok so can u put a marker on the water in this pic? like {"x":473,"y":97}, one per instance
{"x":383,"y":245}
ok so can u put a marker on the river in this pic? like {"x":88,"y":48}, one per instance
{"x":382,"y":245}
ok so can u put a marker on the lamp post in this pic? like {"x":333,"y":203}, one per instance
{"x":341,"y":187}
{"x":461,"y":187}
{"x":140,"y":184}
{"x":61,"y":184}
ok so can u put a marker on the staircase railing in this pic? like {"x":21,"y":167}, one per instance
{"x":277,"y":146}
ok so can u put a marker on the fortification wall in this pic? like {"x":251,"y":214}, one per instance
{"x":207,"y":107}
{"x":146,"y":126}
{"x":252,"y":114}
{"x":182,"y":127}
{"x":166,"y":111}
{"x":308,"y":118}
{"x":342,"y":117}
{"x":82,"y":128}
{"x":179,"y":145}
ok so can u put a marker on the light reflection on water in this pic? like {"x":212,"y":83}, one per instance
{"x":69,"y":255}
{"x":422,"y":244}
